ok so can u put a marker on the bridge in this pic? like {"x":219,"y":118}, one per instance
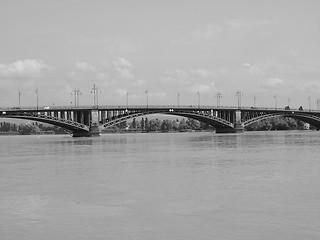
{"x":89,"y":120}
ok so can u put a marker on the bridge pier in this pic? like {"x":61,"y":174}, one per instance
{"x":92,"y":119}
{"x":238,"y":128}
{"x":225,"y":130}
{"x":93,"y":132}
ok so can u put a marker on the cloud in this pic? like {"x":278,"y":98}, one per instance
{"x":209,"y":31}
{"x":121,"y":91}
{"x":204,"y":73}
{"x":253,"y":69}
{"x":312,"y":87}
{"x":271,"y":66}
{"x":158,"y":94}
{"x":214,"y":29}
{"x":201,"y":88}
{"x":124,"y":67}
{"x":139,"y":82}
{"x":240,"y":23}
{"x":293,"y":53}
{"x":176,"y":76}
{"x":112,"y":45}
{"x":83,"y":71}
{"x":272,"y":83}
{"x":26,"y":68}
{"x":186,"y":77}
{"x":83,"y":66}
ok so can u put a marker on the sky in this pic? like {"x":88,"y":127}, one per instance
{"x":267,"y":50}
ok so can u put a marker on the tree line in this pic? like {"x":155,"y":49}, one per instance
{"x":157,"y":125}
{"x":154,"y":125}
{"x":29,"y":128}
{"x":187,"y":124}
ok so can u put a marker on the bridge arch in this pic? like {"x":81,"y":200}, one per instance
{"x":211,"y":120}
{"x":60,"y":122}
{"x":311,"y":119}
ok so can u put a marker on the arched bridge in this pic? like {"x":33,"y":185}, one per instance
{"x":88,"y":120}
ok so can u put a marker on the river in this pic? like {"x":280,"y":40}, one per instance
{"x":201,"y":186}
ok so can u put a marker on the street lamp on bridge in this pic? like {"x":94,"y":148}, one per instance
{"x":127,"y":96}
{"x":218,"y":96}
{"x":147,"y":93}
{"x":76,"y":93}
{"x":309,"y":99}
{"x":198,"y":93}
{"x":19,"y":98}
{"x":178,"y":96}
{"x":95,"y":91}
{"x":318,"y":103}
{"x":37,"y":93}
{"x":239,"y":95}
{"x":275,"y":101}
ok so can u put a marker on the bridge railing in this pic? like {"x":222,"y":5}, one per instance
{"x":145,"y":107}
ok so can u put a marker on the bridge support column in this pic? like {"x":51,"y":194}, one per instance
{"x":238,"y":128}
{"x":225,"y":130}
{"x":238,"y":125}
{"x":94,"y":123}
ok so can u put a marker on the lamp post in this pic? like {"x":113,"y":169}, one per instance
{"x":127,"y":100}
{"x":76,"y":93}
{"x":275,"y":101}
{"x":309,"y":99}
{"x":95,"y":91}
{"x":37,"y":93}
{"x":218,"y":96}
{"x":198,"y":93}
{"x":178,"y":98}
{"x":19,"y":98}
{"x":239,"y":95}
{"x":254,"y":101}
{"x":147,"y":93}
{"x":318,"y":103}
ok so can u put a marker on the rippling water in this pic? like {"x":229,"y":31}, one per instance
{"x":161,"y":186}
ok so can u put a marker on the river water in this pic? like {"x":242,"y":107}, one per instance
{"x":262,"y":185}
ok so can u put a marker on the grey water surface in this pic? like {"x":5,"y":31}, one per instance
{"x":260,"y":185}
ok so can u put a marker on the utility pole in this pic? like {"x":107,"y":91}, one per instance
{"x":178,"y":96}
{"x":275,"y":101}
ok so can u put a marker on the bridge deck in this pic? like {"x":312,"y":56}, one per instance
{"x":150,"y":107}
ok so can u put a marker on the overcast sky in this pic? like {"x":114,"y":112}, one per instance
{"x":261,"y":48}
